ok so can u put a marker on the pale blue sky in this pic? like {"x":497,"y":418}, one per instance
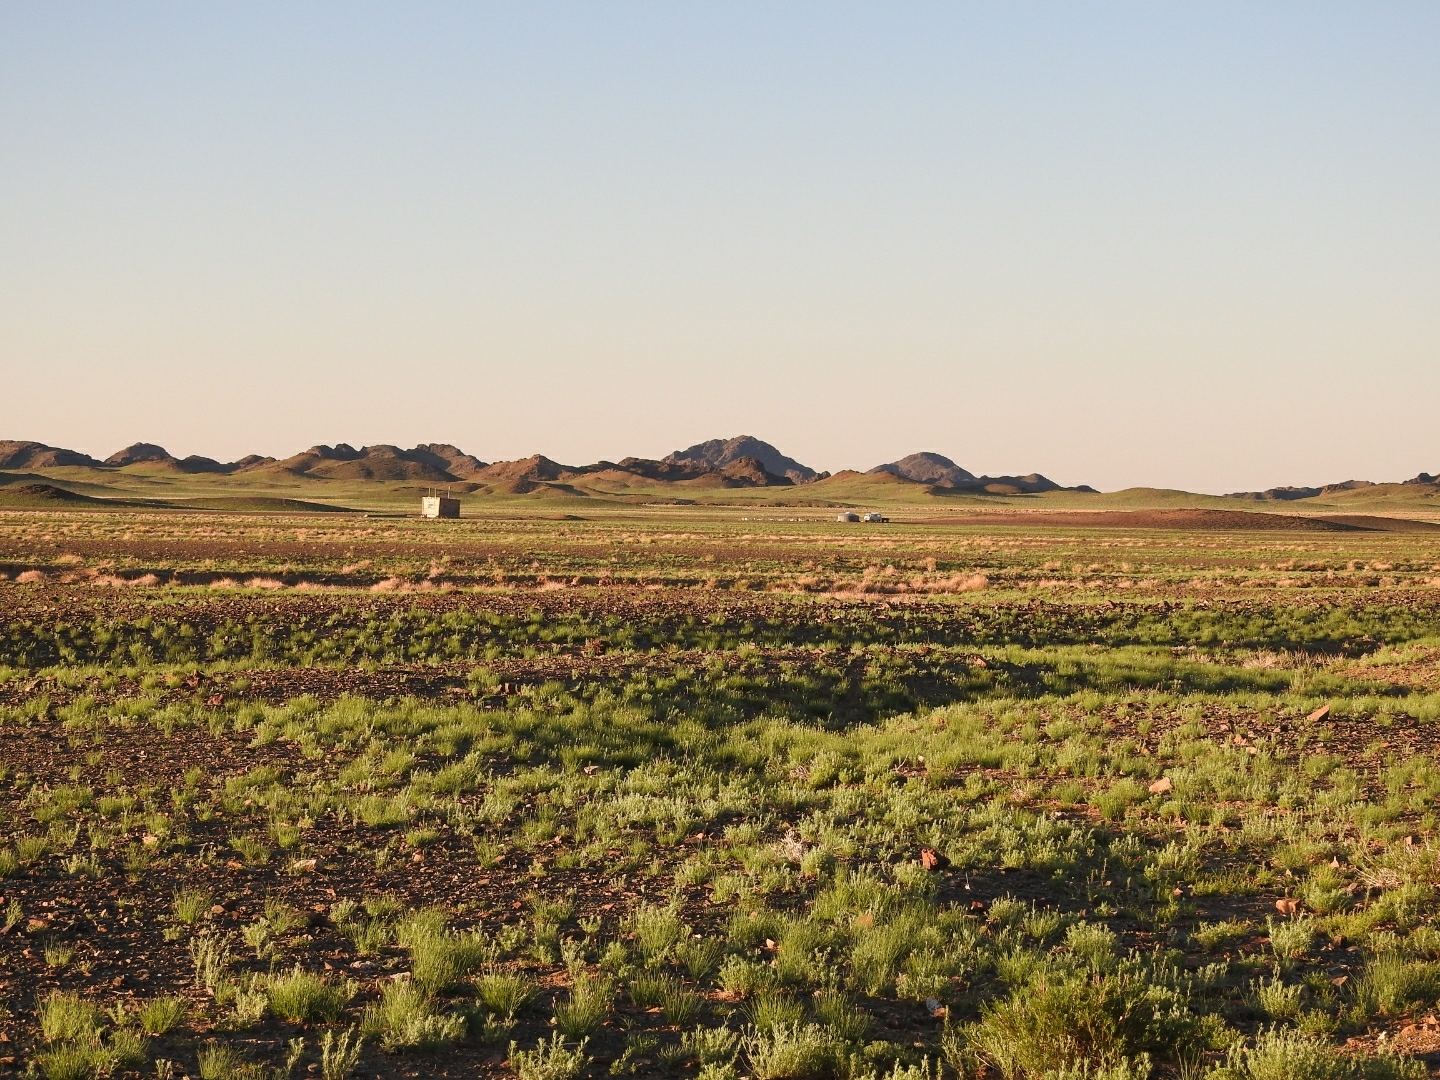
{"x":1183,"y":245}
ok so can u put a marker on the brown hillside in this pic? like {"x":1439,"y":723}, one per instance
{"x":535,"y":468}
{"x":22,"y":454}
{"x":718,"y":453}
{"x":380,"y":462}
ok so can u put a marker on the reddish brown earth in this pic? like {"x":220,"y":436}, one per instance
{"x":1208,"y":520}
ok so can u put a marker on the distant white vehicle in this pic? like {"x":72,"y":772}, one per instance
{"x":848,"y":516}
{"x":873,"y":516}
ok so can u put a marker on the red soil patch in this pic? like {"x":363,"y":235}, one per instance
{"x":1206,"y":520}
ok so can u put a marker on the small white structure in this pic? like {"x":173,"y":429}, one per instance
{"x":439,"y":506}
{"x":873,"y":516}
{"x":848,"y":516}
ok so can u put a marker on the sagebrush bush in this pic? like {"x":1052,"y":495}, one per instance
{"x":549,"y":1060}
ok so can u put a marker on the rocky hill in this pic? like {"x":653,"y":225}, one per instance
{"x":927,"y":467}
{"x":430,"y":462}
{"x":718,"y":453}
{"x":19,"y":454}
{"x":938,"y":471}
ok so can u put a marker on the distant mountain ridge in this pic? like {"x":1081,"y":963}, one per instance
{"x":1295,"y":494}
{"x":719,"y":463}
{"x":740,"y":462}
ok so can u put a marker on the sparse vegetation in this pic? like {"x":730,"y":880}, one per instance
{"x":788,"y":830}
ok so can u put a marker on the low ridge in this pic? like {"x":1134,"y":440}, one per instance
{"x":143,"y":453}
{"x":431,"y":462}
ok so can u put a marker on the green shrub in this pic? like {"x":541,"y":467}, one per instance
{"x":710,"y":1046}
{"x":438,"y":961}
{"x":1391,"y":983}
{"x":1277,"y":1000}
{"x":305,"y":998}
{"x":211,"y":956}
{"x":681,"y":1006}
{"x":743,"y":977}
{"x":1212,"y":936}
{"x":252,"y":849}
{"x":647,"y":990}
{"x":1121,"y":795}
{"x":504,"y":994}
{"x":67,"y":1017}
{"x":701,"y":958}
{"x":405,"y":1019}
{"x":1279,"y":1054}
{"x":839,"y":1014}
{"x":191,"y":905}
{"x":339,"y":1053}
{"x":549,"y":1060}
{"x":588,"y":1005}
{"x":770,"y":1010}
{"x":1061,"y":1020}
{"x":159,"y":1015}
{"x":792,"y":1050}
{"x":70,"y":1061}
{"x":1092,"y":942}
{"x":31,"y":849}
{"x":656,"y":932}
{"x":1290,"y":938}
{"x":219,"y":1062}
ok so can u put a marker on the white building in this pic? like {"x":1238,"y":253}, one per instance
{"x":439,"y":506}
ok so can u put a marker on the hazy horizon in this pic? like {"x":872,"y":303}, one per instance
{"x":1192,"y":248}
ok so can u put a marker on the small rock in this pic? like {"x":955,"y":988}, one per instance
{"x":1159,"y":787}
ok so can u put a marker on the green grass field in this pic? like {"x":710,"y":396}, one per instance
{"x":713,"y":793}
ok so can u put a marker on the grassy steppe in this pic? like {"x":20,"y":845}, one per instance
{"x":714,"y":793}
{"x":168,"y":488}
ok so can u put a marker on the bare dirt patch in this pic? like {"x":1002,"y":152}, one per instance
{"x":1208,"y":520}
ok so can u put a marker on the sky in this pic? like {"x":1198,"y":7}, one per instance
{"x":1191,"y":245}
